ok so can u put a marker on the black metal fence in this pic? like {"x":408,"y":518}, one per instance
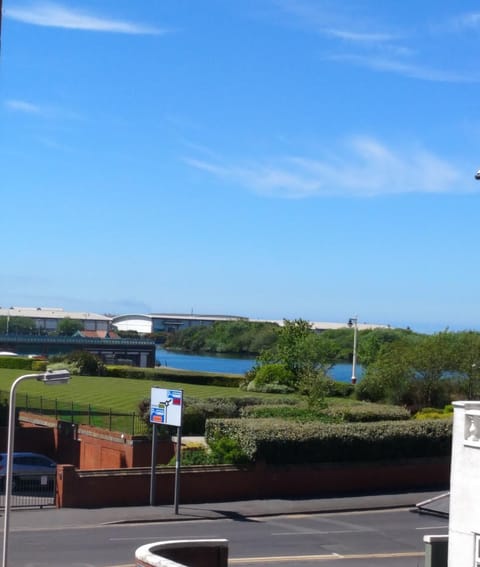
{"x":31,"y":491}
{"x":81,"y":414}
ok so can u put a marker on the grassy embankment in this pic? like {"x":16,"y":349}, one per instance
{"x":119,"y":394}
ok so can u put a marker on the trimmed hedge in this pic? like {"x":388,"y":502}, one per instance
{"x":196,"y":412}
{"x":20,"y":363}
{"x":340,"y":413}
{"x":366,"y":411}
{"x":278,"y":441}
{"x":172,"y":375}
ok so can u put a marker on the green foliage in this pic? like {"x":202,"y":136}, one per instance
{"x":20,"y":362}
{"x":366,"y":412}
{"x":335,"y":389}
{"x":285,"y":442}
{"x":299,"y":360}
{"x":177,"y":376}
{"x":225,"y":450}
{"x":68,"y":326}
{"x":196,"y":413}
{"x":417,"y":372}
{"x":338,"y":413}
{"x":273,"y":374}
{"x":221,"y":451}
{"x":287,"y":412}
{"x":17,"y":326}
{"x":435,"y":413}
{"x":269,"y":388}
{"x":88,"y":364}
{"x":241,"y":337}
{"x":372,"y":343}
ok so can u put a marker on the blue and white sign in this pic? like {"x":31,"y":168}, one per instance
{"x":166,"y":406}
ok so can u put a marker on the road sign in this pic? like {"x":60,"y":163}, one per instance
{"x":166,"y":406}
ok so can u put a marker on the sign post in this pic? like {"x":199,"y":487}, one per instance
{"x":166,"y":408}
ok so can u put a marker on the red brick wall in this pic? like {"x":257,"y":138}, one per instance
{"x":84,"y":446}
{"x":131,"y":487}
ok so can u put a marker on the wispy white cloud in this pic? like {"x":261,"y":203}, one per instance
{"x":360,"y":37}
{"x":406,"y":69}
{"x":50,"y":14}
{"x":361,"y":167}
{"x":415,"y":53}
{"x":22,"y":106}
{"x":470,"y":20}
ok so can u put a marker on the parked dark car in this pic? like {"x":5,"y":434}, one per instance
{"x":31,"y":468}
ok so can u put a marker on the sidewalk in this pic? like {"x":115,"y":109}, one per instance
{"x":53,"y":518}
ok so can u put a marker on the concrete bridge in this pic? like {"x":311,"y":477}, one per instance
{"x":139,"y":352}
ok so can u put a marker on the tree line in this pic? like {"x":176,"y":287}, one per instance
{"x":400,"y":367}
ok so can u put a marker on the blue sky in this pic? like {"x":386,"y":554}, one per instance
{"x":267,"y":158}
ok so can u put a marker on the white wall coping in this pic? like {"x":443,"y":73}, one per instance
{"x":151,"y":552}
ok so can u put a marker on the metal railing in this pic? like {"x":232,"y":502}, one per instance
{"x":32,"y":491}
{"x":80,"y":414}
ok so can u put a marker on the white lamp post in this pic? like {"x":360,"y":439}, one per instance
{"x":352,"y":322}
{"x":49,"y":377}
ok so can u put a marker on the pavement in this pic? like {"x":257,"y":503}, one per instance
{"x":53,"y":518}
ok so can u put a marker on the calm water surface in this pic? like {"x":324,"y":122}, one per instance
{"x":232,"y":365}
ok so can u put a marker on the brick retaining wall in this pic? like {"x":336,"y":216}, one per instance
{"x":131,"y":487}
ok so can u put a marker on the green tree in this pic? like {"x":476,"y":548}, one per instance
{"x":17,"y":325}
{"x":68,"y":327}
{"x":467,"y":365}
{"x":304,"y":354}
{"x":415,"y":372}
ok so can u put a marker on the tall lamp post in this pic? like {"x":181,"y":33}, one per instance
{"x":49,"y":377}
{"x":353,"y":322}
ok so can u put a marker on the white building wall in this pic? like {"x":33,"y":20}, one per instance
{"x":464,"y":520}
{"x":141,"y":325}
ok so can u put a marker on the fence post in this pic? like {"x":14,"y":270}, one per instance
{"x":89,"y":413}
{"x":56,"y":408}
{"x":72,"y":414}
{"x":110,"y":419}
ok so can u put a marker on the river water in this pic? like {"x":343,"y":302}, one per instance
{"x":232,"y":365}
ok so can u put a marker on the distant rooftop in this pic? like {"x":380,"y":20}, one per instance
{"x":194,"y":316}
{"x":50,"y":313}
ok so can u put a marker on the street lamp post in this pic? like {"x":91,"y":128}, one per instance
{"x":49,"y":377}
{"x":353,"y":322}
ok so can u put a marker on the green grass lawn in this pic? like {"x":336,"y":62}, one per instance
{"x":118,"y":394}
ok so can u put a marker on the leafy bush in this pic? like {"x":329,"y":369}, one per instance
{"x":269,"y":388}
{"x":285,"y":442}
{"x":39,"y":365}
{"x":366,"y":412}
{"x":340,"y":413}
{"x":196,"y":413}
{"x":295,"y":413}
{"x":88,"y":364}
{"x":273,"y":374}
{"x":224,"y":450}
{"x":336,"y":389}
{"x":221,"y":451}
{"x":434,"y":413}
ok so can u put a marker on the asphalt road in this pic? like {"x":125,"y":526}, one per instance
{"x":365,"y":538}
